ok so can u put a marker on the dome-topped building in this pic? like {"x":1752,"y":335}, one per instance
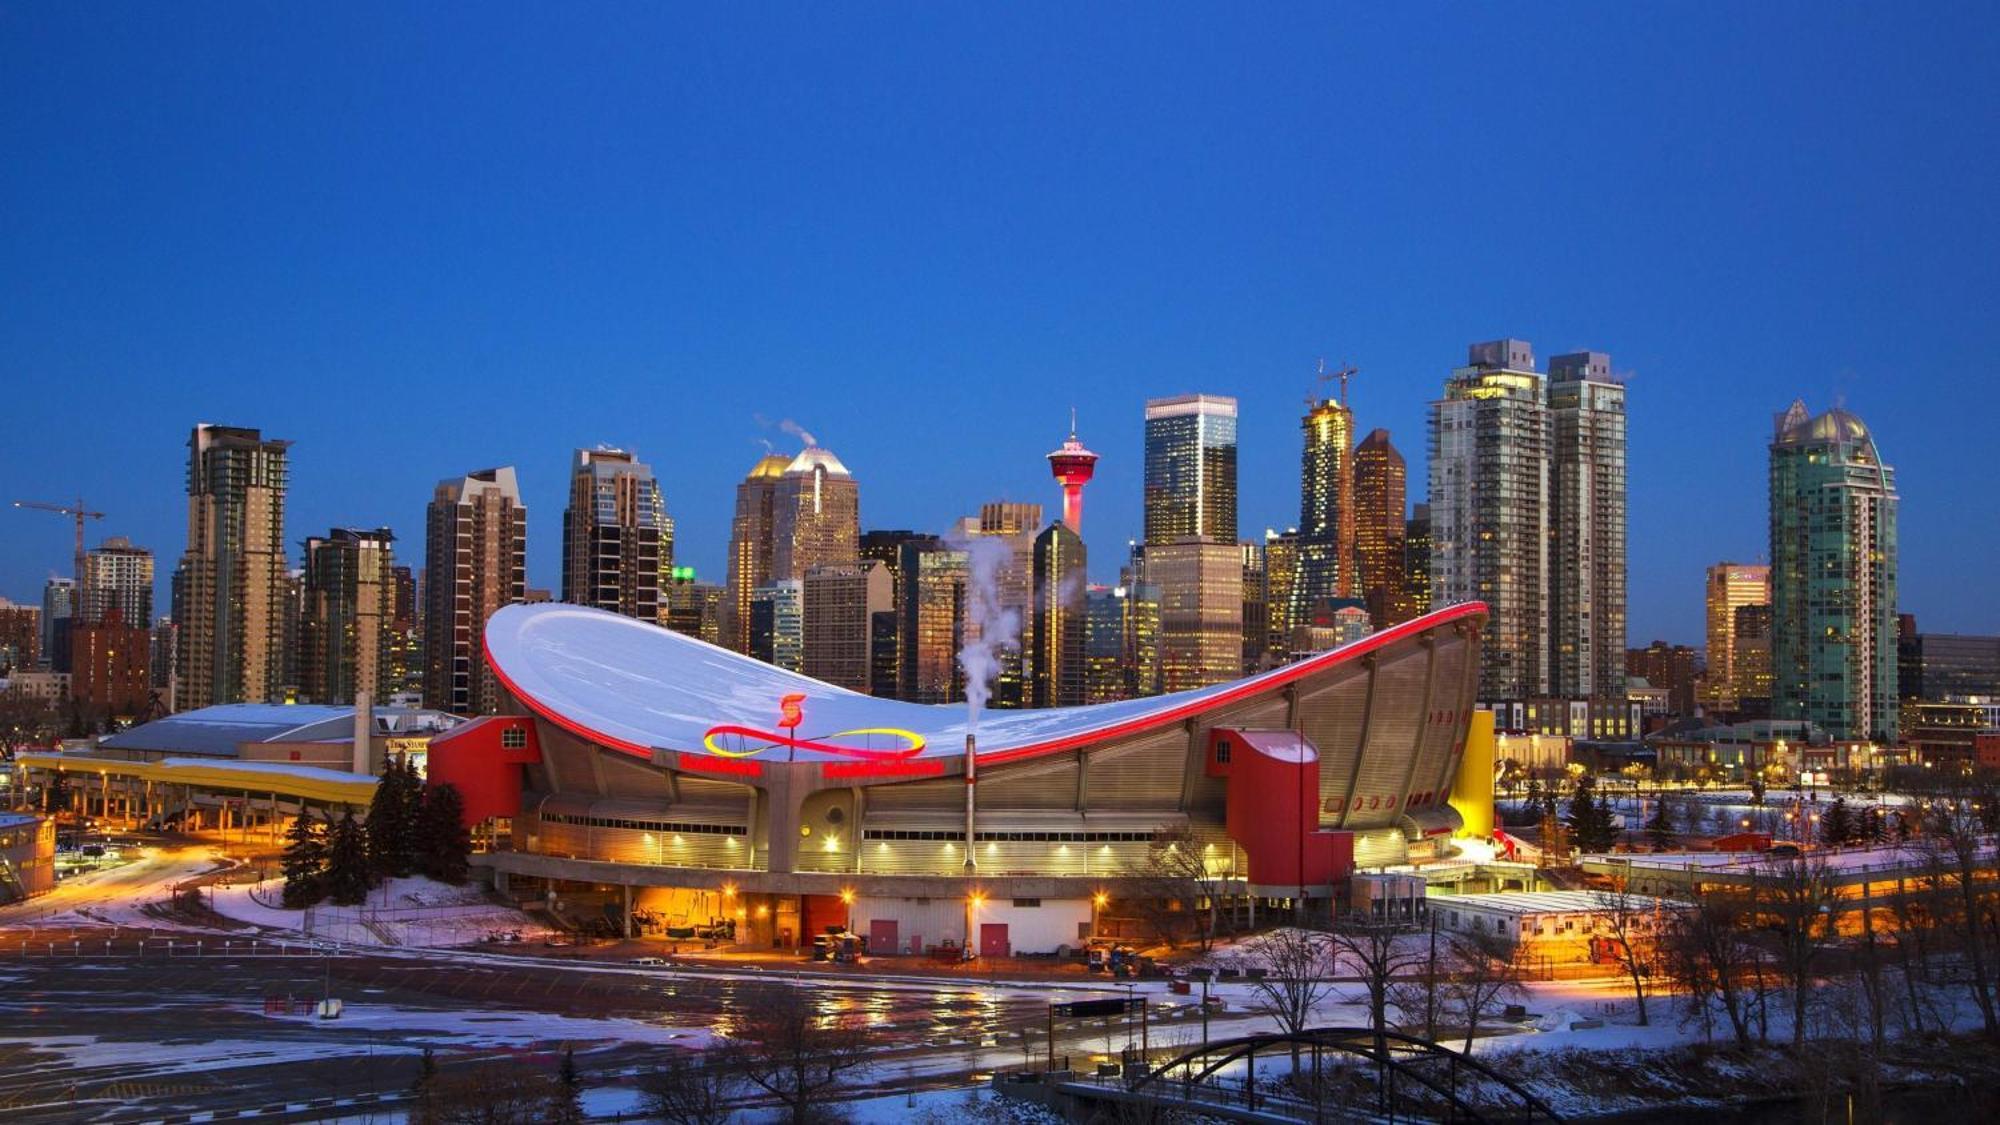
{"x":1833,"y":576}
{"x":1795,"y":426}
{"x":771,"y":466}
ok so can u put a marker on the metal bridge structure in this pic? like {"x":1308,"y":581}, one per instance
{"x":1400,"y":1077}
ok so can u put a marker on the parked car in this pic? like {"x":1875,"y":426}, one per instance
{"x":649,"y":962}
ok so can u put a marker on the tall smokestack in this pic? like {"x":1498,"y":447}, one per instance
{"x":971,"y":804}
{"x":364,"y":730}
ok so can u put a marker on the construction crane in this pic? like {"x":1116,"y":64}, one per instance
{"x":81,"y":513}
{"x":1347,"y":371}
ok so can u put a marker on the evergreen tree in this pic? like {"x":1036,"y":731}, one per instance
{"x":1874,"y":825}
{"x":444,"y":847}
{"x":347,"y":871}
{"x":1837,"y":826}
{"x":305,"y":861}
{"x":1661,"y":827}
{"x":566,"y":1107}
{"x":55,"y":796}
{"x":1535,"y":810}
{"x":1590,"y":825}
{"x":392,"y":821}
{"x":1757,"y":787}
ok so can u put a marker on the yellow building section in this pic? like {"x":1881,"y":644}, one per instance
{"x":1472,"y":789}
{"x":319,"y":786}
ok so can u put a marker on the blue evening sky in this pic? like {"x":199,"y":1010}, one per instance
{"x":419,"y":240}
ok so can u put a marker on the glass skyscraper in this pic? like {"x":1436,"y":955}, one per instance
{"x":1380,"y":481}
{"x":1190,"y":469}
{"x":1833,"y":576}
{"x":1326,"y":509}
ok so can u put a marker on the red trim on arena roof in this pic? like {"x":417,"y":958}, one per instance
{"x":1255,"y":685}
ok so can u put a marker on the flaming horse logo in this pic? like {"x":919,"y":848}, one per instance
{"x":791,"y":714}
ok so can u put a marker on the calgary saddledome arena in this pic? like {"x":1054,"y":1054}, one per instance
{"x":695,"y":784}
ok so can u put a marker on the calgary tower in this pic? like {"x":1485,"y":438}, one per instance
{"x":1073,"y":465}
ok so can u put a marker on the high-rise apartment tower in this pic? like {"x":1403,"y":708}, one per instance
{"x":618,"y":543}
{"x":231,"y":586}
{"x":475,"y":561}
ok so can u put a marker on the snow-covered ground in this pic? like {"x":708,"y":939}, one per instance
{"x":1889,"y":857}
{"x":409,"y":912}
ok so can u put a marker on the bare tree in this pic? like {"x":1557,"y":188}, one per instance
{"x":1916,"y":928}
{"x":1873,"y":987}
{"x":495,"y":1094}
{"x":1955,"y":835}
{"x":1799,"y":910}
{"x":1297,"y":966}
{"x":1484,"y":971}
{"x":1179,"y":887}
{"x":26,"y":720}
{"x":691,"y":1089}
{"x":1378,"y":952}
{"x":788,"y":1049}
{"x":1707,"y":952}
{"x":1417,"y":996}
{"x":1630,"y":925}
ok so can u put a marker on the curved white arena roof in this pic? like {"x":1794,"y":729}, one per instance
{"x":637,"y":687}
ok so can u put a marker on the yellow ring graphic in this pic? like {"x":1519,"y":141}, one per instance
{"x":913,"y":743}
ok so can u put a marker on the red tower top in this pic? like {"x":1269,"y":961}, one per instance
{"x":1073,"y":466}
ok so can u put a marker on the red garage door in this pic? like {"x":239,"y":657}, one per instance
{"x":993,"y":939}
{"x":821,"y":912}
{"x":882,"y":937}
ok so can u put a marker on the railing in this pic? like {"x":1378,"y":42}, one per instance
{"x":1396,"y":1055}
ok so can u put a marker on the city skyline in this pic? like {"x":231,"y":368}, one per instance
{"x":546,"y":562}
{"x":338,"y":316}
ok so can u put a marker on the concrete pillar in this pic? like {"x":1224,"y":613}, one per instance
{"x":364,"y":730}
{"x":628,"y":911}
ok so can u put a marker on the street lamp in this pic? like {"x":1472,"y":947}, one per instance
{"x":973,"y":901}
{"x":1098,"y":902}
{"x":847,"y":900}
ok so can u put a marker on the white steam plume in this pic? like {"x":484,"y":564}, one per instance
{"x":989,"y":628}
{"x":797,"y":431}
{"x":787,"y":425}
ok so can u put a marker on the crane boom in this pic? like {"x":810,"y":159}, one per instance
{"x":1347,"y":371}
{"x":81,"y":513}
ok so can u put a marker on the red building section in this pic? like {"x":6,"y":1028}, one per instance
{"x":1986,"y":747}
{"x":483,"y":759}
{"x":1272,"y":809}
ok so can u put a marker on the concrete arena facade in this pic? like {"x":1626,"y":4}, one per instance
{"x":697,"y":783}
